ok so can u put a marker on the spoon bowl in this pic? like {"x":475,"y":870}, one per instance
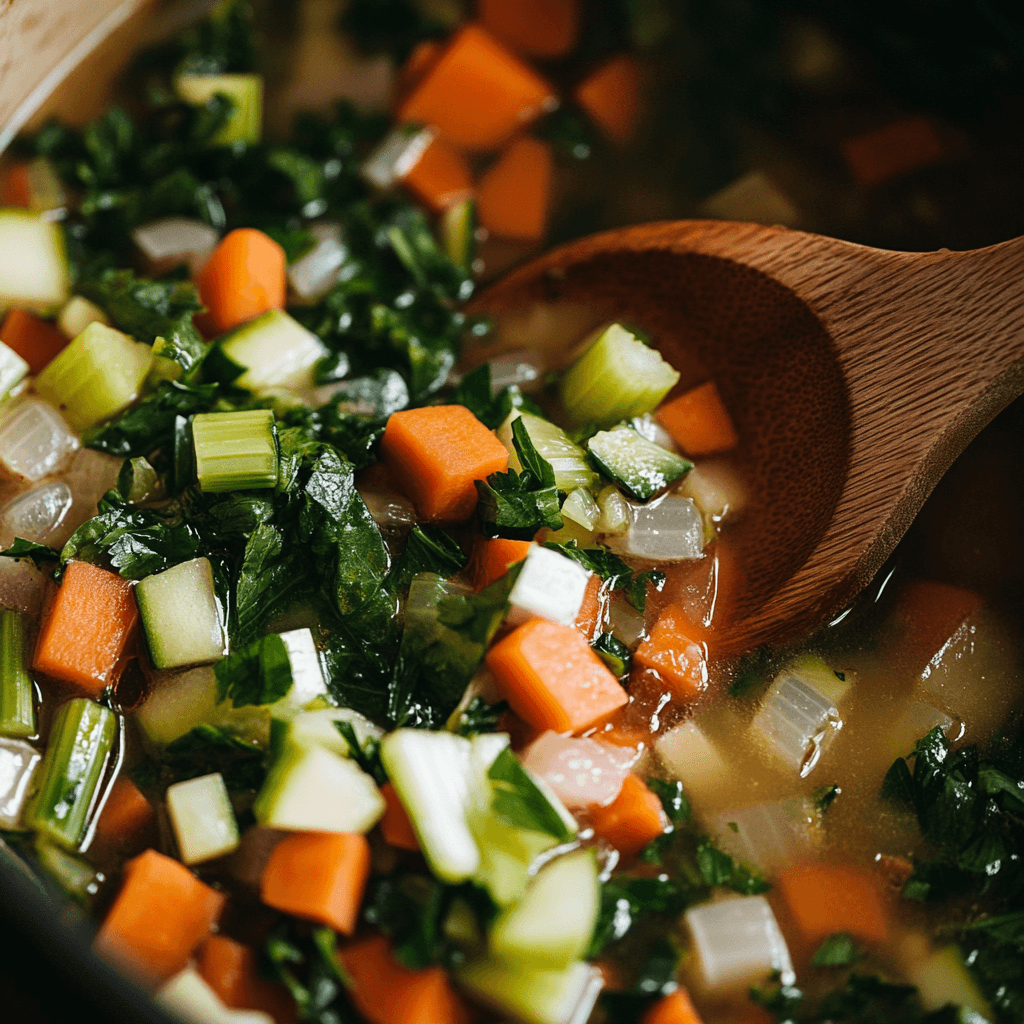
{"x":854,"y":376}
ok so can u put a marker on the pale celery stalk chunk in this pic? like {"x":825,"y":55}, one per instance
{"x":617,"y":377}
{"x":17,"y":703}
{"x":235,"y":450}
{"x":568,"y":460}
{"x":181,"y":616}
{"x":202,"y":818}
{"x":34,"y":274}
{"x":245,"y":122}
{"x":100,"y":373}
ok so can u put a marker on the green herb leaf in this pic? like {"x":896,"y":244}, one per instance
{"x":258,"y":674}
{"x":22,"y":548}
{"x":613,"y":571}
{"x":520,"y":803}
{"x":837,"y":950}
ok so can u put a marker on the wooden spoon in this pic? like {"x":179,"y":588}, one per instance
{"x":854,"y":377}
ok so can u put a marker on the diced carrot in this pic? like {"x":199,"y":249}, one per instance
{"x":230,"y":969}
{"x":622,"y":729}
{"x":593,"y":612}
{"x":927,"y":616}
{"x":17,"y":187}
{"x":423,"y":57}
{"x":320,"y":876}
{"x":160,"y":916}
{"x":552,"y":678}
{"x":126,"y":814}
{"x":36,"y":341}
{"x":386,"y":992}
{"x":890,"y":152}
{"x":514,"y":194}
{"x":698,"y":421}
{"x":534,"y":28}
{"x":440,"y":177}
{"x":675,"y":1008}
{"x":86,"y":634}
{"x":395,"y":826}
{"x":631,"y":820}
{"x":436,"y":453}
{"x":244,"y":277}
{"x":493,"y":557}
{"x":674,"y":655}
{"x":478,"y":93}
{"x":824,"y":898}
{"x":611,"y":96}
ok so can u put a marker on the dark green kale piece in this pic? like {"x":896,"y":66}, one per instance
{"x":260,"y":673}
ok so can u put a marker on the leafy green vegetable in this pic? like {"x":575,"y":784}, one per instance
{"x":428,"y":549}
{"x":614,"y":653}
{"x":475,"y":392}
{"x":22,"y":548}
{"x":480,"y":717}
{"x":366,"y":755}
{"x":257,"y":674}
{"x":614,"y":571}
{"x":204,"y":750}
{"x":520,"y":803}
{"x":837,"y":950}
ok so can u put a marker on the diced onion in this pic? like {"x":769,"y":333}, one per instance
{"x":614,"y":511}
{"x":522,"y":369}
{"x":36,"y":515}
{"x":191,"y":998}
{"x":581,"y":508}
{"x":18,"y":764}
{"x":668,"y":529}
{"x":315,"y":273}
{"x":647,"y":426}
{"x":550,"y":586}
{"x":580,"y":771}
{"x":628,"y":624}
{"x":396,"y":155}
{"x":163,"y":243}
{"x":692,"y":758}
{"x":34,"y":440}
{"x":716,"y":488}
{"x":766,"y":835}
{"x":390,"y":509}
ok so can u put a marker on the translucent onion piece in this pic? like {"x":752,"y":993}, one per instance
{"x":34,"y":440}
{"x":90,"y":475}
{"x":738,"y":943}
{"x":614,"y":511}
{"x":581,"y":507}
{"x":716,"y":488}
{"x":580,"y":772}
{"x":797,"y":718}
{"x":766,"y":835}
{"x":189,"y":997}
{"x":522,"y":369}
{"x":176,"y":240}
{"x":390,"y":509}
{"x":77,"y":313}
{"x":307,"y":674}
{"x":627,"y":623}
{"x":37,"y":514}
{"x":18,"y":764}
{"x":314,"y":274}
{"x":669,"y":529}
{"x":647,"y":426}
{"x":692,"y":758}
{"x":397,"y":154}
{"x":22,"y":586}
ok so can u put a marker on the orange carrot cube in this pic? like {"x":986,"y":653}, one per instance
{"x":231,"y":970}
{"x":17,"y":187}
{"x":611,"y":96}
{"x":513,"y":196}
{"x":422,"y":58}
{"x":85,"y":636}
{"x":159,"y":918}
{"x":824,"y":898}
{"x":477,"y":93}
{"x":593,"y":611}
{"x":36,"y":341}
{"x":320,"y":876}
{"x":534,"y":28}
{"x":493,"y":557}
{"x":675,"y":1008}
{"x":126,"y":814}
{"x":436,"y":453}
{"x":698,"y":421}
{"x":890,"y":152}
{"x":395,"y":826}
{"x":928,"y":614}
{"x":440,"y":177}
{"x":552,"y":678}
{"x":674,"y":655}
{"x":632,"y":820}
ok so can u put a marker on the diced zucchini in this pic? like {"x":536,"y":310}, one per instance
{"x":617,"y":377}
{"x":553,"y":924}
{"x":534,"y":995}
{"x":568,"y":460}
{"x":17,"y":696}
{"x":274,"y":352}
{"x":77,"y":313}
{"x":202,"y":818}
{"x":235,"y":450}
{"x":458,"y":233}
{"x":245,"y":123}
{"x":177,"y":704}
{"x":181,"y":616}
{"x":81,"y":739}
{"x":313,"y":789}
{"x":318,"y":729}
{"x":97,"y":375}
{"x":640,"y":467}
{"x":13,"y":369}
{"x":34,"y":274}
{"x":582,"y":508}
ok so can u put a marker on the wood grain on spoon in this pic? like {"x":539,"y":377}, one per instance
{"x":855,"y":376}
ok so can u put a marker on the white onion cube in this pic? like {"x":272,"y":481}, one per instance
{"x":550,"y":586}
{"x":397,"y":154}
{"x":176,"y":239}
{"x":36,"y":515}
{"x":317,"y":271}
{"x":34,"y":440}
{"x":716,"y":488}
{"x":737,"y":943}
{"x":22,"y":586}
{"x":18,"y":763}
{"x":667,"y":530}
{"x":191,"y":999}
{"x":307,"y":675}
{"x":202,"y":818}
{"x":766,"y":835}
{"x":693,"y":759}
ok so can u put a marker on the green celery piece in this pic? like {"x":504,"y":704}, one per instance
{"x":235,"y":450}
{"x":75,"y":875}
{"x":568,"y":460}
{"x":81,"y":739}
{"x":458,"y":233}
{"x":17,"y":706}
{"x":100,"y":373}
{"x":245,"y":123}
{"x":582,"y":508}
{"x":617,"y":377}
{"x":34,"y":274}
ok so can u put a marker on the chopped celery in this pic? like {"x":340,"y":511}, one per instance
{"x":96,"y":376}
{"x":568,"y":460}
{"x":235,"y":450}
{"x":13,"y":369}
{"x":617,"y":377}
{"x":581,"y":507}
{"x":614,"y":511}
{"x":202,"y":818}
{"x":639,"y":466}
{"x":75,"y":875}
{"x":245,"y":122}
{"x":81,"y":739}
{"x":77,"y":313}
{"x":534,"y":995}
{"x":34,"y":274}
{"x":458,"y":233}
{"x":17,"y":699}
